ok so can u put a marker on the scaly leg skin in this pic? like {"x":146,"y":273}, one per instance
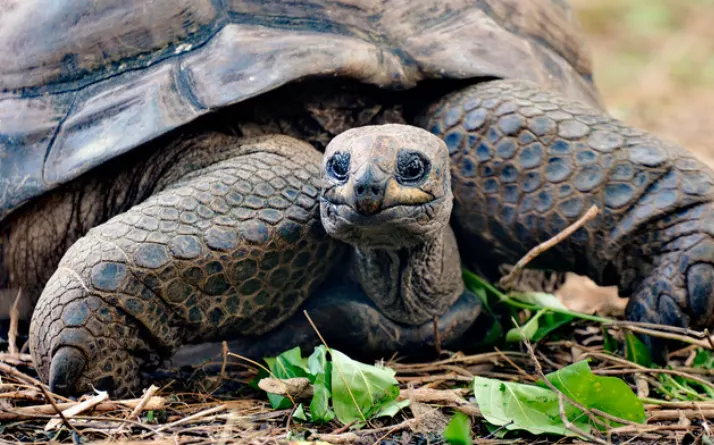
{"x":526,"y":163}
{"x":347,"y":319}
{"x":235,"y":247}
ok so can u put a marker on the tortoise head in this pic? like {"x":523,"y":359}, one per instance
{"x":386,"y":186}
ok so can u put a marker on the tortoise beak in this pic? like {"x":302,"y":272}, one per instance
{"x":368,"y":193}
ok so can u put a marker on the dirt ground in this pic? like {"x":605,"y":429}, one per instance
{"x":654,"y":64}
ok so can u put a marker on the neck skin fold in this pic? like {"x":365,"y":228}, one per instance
{"x":412,"y":285}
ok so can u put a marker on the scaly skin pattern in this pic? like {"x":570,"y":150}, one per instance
{"x":234,"y":248}
{"x":527,"y":163}
{"x":387,"y":193}
{"x":392,"y":205}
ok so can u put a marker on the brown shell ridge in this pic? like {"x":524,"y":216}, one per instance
{"x":535,"y":19}
{"x":56,"y":132}
{"x":193,"y":43}
{"x":51,"y":134}
{"x":87,"y":80}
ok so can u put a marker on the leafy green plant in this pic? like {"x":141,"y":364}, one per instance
{"x":539,"y":326}
{"x":536,"y":408}
{"x":287,"y":365}
{"x":703,"y":359}
{"x":343,"y":388}
{"x":678,"y":387}
{"x":533,"y":301}
{"x":609,"y":343}
{"x":636,"y":351}
{"x":458,"y":431}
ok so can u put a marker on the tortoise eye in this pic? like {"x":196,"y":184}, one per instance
{"x":338,"y":166}
{"x":412,"y":166}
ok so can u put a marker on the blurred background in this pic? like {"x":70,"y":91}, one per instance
{"x":654,"y":64}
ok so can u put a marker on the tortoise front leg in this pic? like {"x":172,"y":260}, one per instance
{"x":526,"y":163}
{"x":349,"y":321}
{"x":233,"y":248}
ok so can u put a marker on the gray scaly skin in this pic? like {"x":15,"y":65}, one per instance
{"x":234,"y":247}
{"x":525,"y":163}
{"x":388,"y":194}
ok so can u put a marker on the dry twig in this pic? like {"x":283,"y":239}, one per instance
{"x":507,"y":281}
{"x":74,"y":410}
{"x":14,"y":321}
{"x":148,"y":394}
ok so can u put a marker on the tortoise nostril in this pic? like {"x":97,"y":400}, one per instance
{"x":360,"y":190}
{"x":375,"y":190}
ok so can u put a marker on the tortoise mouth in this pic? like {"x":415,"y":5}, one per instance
{"x":395,"y":226}
{"x":391,"y":214}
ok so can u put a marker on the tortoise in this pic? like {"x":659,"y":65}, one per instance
{"x":177,"y":173}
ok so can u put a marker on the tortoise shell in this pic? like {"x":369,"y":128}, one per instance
{"x":83,"y":81}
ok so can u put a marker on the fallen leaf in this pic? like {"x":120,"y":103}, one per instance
{"x":581,"y":294}
{"x":536,"y":408}
{"x":299,"y":413}
{"x":359,"y":390}
{"x":608,"y":394}
{"x":321,"y":369}
{"x":517,"y":406}
{"x":636,"y":351}
{"x":458,"y":431}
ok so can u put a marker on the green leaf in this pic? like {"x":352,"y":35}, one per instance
{"x":703,"y":359}
{"x":392,"y":408}
{"x":320,"y":370}
{"x":299,"y":413}
{"x":609,"y":342}
{"x":608,"y":394}
{"x":516,"y":406}
{"x":317,"y":362}
{"x":360,"y":390}
{"x":549,"y":322}
{"x":636,"y":351}
{"x":481,"y":289}
{"x":541,"y":324}
{"x":287,"y":365}
{"x":356,"y":391}
{"x":458,"y":431}
{"x":528,"y":330}
{"x":494,"y":431}
{"x":320,"y":405}
{"x":536,"y":409}
{"x":683,"y":388}
{"x":541,"y":299}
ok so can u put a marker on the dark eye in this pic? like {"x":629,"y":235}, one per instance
{"x":338,"y":166}
{"x":412,"y":166}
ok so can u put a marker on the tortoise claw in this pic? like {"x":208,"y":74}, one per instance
{"x":665,"y":311}
{"x":67,"y":366}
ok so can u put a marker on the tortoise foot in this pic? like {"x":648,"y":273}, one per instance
{"x":68,"y":364}
{"x":80,"y":343}
{"x":679,"y":288}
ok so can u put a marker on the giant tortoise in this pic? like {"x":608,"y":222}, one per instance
{"x":162,"y":182}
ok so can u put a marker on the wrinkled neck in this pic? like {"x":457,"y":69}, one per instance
{"x":412,"y":285}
